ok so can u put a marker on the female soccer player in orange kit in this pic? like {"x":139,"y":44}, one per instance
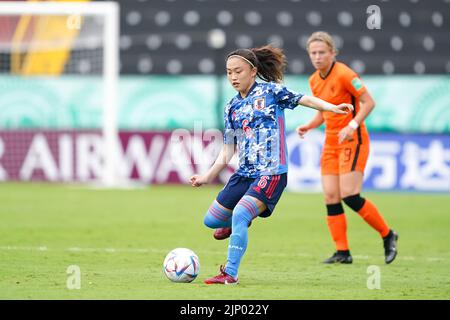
{"x":346,"y":147}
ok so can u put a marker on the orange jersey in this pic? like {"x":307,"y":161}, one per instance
{"x":341,"y":85}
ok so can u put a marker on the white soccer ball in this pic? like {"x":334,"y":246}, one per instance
{"x":181,"y":265}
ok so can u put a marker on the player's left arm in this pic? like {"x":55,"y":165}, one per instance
{"x":288,"y":99}
{"x":322,"y":105}
{"x":366,"y":105}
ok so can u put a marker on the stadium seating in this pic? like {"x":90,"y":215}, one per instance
{"x":171,"y":36}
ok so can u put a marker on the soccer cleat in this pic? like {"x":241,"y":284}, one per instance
{"x":339,"y":257}
{"x":222,"y":278}
{"x":222,"y":233}
{"x":390,"y":246}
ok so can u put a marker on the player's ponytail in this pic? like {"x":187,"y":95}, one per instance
{"x":268,"y":60}
{"x":271,"y":63}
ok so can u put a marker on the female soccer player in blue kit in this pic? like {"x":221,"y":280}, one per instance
{"x":254,"y":122}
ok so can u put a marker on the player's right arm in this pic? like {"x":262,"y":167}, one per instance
{"x":314,"y":123}
{"x":221,"y":163}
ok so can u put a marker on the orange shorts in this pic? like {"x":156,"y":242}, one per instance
{"x":344,"y":158}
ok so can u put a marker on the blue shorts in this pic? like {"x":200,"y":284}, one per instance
{"x":267,"y":189}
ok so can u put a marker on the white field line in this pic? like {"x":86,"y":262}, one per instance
{"x":163,"y":252}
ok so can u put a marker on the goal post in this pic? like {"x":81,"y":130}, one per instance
{"x":75,"y":15}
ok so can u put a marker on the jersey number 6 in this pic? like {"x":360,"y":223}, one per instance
{"x":263,"y":182}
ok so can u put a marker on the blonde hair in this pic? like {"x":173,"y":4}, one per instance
{"x":324,"y":37}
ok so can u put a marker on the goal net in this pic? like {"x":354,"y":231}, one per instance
{"x":58,"y":91}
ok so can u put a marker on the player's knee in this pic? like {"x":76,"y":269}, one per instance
{"x":210,"y":221}
{"x":332,"y":198}
{"x":217,"y":217}
{"x":244,"y":212}
{"x":355,"y":202}
{"x":241,"y":215}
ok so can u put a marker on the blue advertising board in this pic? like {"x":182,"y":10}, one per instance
{"x":404,"y":162}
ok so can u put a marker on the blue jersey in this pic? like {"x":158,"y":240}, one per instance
{"x":256,"y":124}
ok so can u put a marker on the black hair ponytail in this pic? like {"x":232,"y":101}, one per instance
{"x":268,"y":60}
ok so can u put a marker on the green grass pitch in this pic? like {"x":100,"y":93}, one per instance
{"x":119,"y":239}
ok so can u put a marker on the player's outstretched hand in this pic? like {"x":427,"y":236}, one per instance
{"x":197,"y":180}
{"x":302,"y":130}
{"x":342,"y":108}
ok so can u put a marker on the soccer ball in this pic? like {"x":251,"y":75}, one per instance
{"x":181,"y":265}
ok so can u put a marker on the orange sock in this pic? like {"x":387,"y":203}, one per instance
{"x":338,"y":229}
{"x":371,"y":215}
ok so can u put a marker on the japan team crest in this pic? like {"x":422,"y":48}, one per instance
{"x":259,"y":103}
